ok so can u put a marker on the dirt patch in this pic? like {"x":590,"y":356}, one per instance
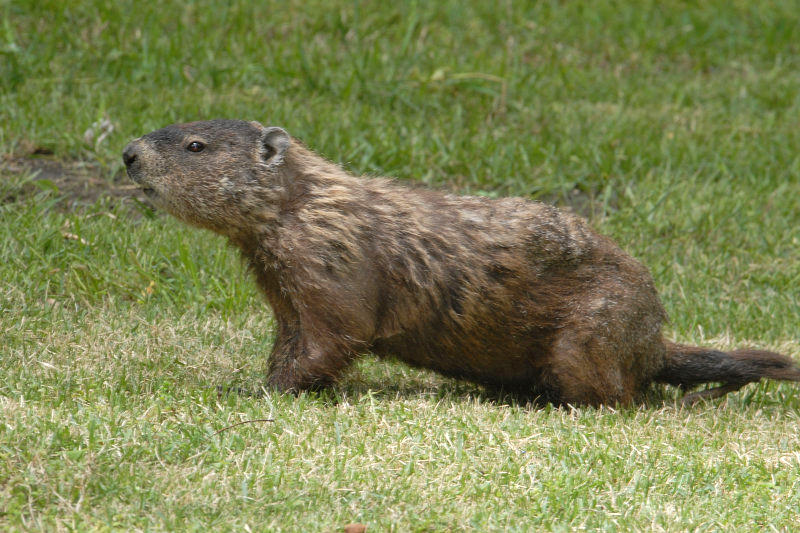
{"x":78,"y":182}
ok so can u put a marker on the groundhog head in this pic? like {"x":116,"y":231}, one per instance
{"x":210,"y":174}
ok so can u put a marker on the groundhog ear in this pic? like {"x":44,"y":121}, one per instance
{"x":274,"y":141}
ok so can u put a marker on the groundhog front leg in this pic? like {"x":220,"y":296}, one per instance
{"x":301,"y":362}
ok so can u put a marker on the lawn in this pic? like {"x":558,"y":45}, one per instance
{"x":672,"y":126}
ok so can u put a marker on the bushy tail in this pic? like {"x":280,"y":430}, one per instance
{"x":688,"y":366}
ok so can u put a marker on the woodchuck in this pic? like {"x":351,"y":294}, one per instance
{"x":504,"y":292}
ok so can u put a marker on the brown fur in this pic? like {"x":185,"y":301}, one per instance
{"x":505,"y":292}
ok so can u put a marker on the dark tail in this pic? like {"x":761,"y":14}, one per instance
{"x":688,"y":366}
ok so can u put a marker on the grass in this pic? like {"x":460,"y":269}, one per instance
{"x":673,"y":125}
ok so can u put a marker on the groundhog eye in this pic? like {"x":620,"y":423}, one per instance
{"x":195,"y":146}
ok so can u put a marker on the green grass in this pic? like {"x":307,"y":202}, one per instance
{"x":673,"y":124}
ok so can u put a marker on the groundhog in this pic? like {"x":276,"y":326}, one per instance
{"x":505,"y":292}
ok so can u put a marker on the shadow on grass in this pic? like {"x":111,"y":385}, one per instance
{"x":429,"y":386}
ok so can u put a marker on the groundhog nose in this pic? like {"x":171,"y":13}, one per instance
{"x":130,"y":154}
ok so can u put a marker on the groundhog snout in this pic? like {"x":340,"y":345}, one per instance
{"x":130,"y":154}
{"x":132,"y":157}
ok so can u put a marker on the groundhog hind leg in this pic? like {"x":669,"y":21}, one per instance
{"x":299,"y":363}
{"x":586,"y":370}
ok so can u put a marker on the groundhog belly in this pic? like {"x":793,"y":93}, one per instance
{"x":498,"y":338}
{"x":476,"y":361}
